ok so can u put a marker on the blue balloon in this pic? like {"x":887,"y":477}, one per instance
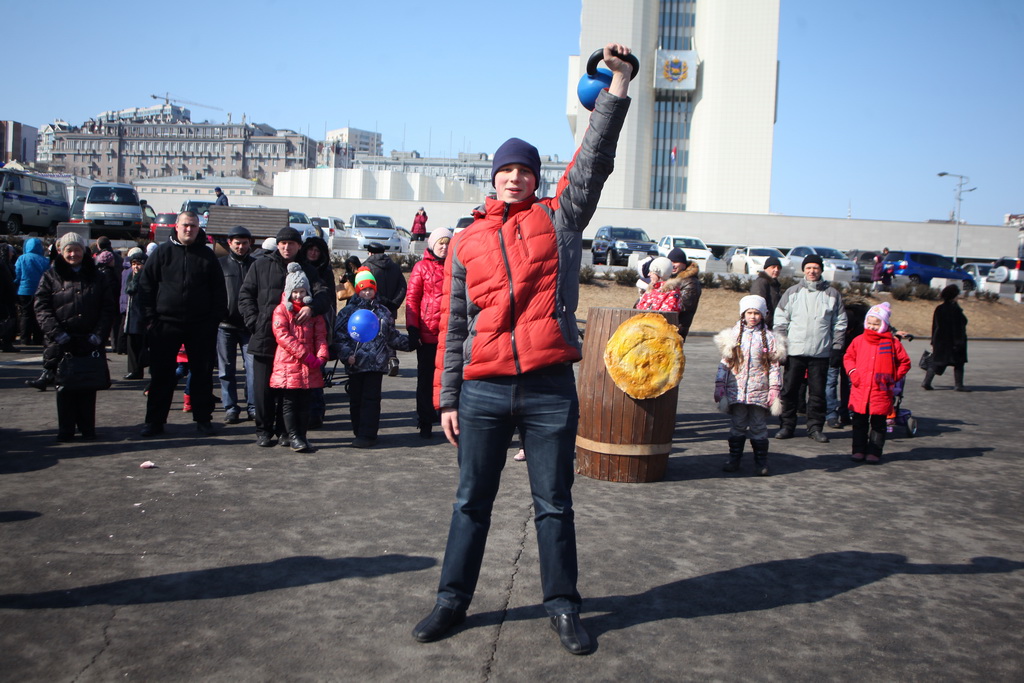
{"x":363,"y":325}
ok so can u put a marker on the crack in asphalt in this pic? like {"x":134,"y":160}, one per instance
{"x":510,"y":584}
{"x":106,"y":644}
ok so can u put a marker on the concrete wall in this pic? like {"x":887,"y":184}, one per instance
{"x":977,"y":242}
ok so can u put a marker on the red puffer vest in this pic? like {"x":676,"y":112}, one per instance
{"x":294,"y":341}
{"x":423,"y":298}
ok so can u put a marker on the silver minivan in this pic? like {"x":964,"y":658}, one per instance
{"x":113,"y":209}
{"x":31,"y":203}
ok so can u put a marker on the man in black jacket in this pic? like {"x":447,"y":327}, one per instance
{"x":232,"y":333}
{"x":259,"y":296}
{"x":183,"y":300}
{"x":766,"y":285}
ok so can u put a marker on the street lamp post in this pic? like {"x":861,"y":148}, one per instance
{"x":963,"y":180}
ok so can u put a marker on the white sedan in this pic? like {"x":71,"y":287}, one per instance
{"x":751,"y":260}
{"x":693,"y":247}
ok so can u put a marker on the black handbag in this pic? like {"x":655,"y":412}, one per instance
{"x":926,"y":361}
{"x":83,"y":373}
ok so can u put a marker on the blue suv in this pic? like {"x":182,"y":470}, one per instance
{"x":922,"y":266}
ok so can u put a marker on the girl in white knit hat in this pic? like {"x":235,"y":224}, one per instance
{"x":749,"y":381}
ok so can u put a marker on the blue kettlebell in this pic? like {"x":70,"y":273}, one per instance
{"x":596,"y":80}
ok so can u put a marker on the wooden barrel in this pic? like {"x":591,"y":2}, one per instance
{"x":620,"y":438}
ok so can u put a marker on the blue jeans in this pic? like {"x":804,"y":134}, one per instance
{"x":832,"y":394}
{"x":228,"y":342}
{"x":545,"y":408}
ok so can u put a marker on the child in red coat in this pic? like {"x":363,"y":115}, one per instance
{"x":875,"y":362}
{"x":301,"y":352}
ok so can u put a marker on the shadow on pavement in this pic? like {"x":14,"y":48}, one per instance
{"x":220,"y":582}
{"x":756,"y":587}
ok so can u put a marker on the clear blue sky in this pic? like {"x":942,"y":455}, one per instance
{"x":875,"y":97}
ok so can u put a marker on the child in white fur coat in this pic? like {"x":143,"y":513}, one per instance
{"x":749,"y":381}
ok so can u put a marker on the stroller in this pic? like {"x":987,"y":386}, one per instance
{"x":900,"y":416}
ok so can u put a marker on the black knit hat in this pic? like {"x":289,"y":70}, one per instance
{"x":772,"y":261}
{"x":289,"y":234}
{"x":516,"y":151}
{"x":677,"y":255}
{"x":812,"y":258}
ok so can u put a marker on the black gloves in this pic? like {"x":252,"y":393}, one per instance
{"x":414,"y":338}
{"x":836,"y":359}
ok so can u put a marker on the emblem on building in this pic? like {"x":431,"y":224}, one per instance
{"x":674,"y":70}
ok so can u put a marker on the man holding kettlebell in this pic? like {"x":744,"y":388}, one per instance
{"x":507,"y":342}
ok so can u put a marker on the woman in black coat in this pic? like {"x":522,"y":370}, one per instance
{"x":75,"y":306}
{"x":949,"y":339}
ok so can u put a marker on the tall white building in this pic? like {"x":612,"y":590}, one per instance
{"x":699,"y":132}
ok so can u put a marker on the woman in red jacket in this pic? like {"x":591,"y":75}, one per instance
{"x":423,"y":318}
{"x":419,"y":226}
{"x":875,"y":362}
{"x":301,"y":352}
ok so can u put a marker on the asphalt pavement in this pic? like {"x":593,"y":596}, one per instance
{"x":229,"y":562}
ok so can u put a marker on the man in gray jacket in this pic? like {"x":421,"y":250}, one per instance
{"x":810,"y":315}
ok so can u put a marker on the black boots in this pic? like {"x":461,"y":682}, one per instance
{"x":735,"y":453}
{"x":42,"y":382}
{"x":296,"y":421}
{"x":760,"y":448}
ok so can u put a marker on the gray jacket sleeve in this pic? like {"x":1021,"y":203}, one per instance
{"x":452,"y":361}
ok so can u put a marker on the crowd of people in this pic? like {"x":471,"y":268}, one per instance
{"x":491,"y":316}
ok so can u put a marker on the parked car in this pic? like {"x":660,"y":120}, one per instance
{"x":77,"y":213}
{"x":329,"y":226}
{"x":463,"y":223}
{"x":922,"y":266}
{"x":301,"y":222}
{"x":197,"y":205}
{"x":368,"y":228}
{"x":1008,"y":269}
{"x":162,"y":226}
{"x":31,"y":203}
{"x":978,"y":272}
{"x":113,"y":210}
{"x":865,"y":261}
{"x":833,"y":259}
{"x":693,"y":247}
{"x":613,"y":246}
{"x":751,"y":260}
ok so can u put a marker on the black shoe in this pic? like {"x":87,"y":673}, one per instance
{"x":571,"y":632}
{"x":784,"y":433}
{"x":264,"y":440}
{"x":392,"y":367}
{"x":816,"y":435}
{"x":41,"y":382}
{"x":205,"y":427}
{"x":440,"y":622}
{"x":65,"y":437}
{"x":363,"y":442}
{"x":425,"y":431}
{"x":300,"y":445}
{"x":132,"y":375}
{"x":961,"y":388}
{"x":231,"y":417}
{"x":11,"y":349}
{"x":835,"y":423}
{"x":283,"y":440}
{"x":928,"y":387}
{"x":88,"y":436}
{"x":152,"y":429}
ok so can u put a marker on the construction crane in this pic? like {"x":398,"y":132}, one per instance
{"x":166,"y":97}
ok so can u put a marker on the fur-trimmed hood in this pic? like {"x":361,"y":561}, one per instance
{"x":689,"y":271}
